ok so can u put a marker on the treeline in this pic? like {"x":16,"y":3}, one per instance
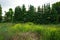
{"x":44,"y":15}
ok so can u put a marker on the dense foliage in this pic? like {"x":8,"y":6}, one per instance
{"x":44,"y":15}
{"x":0,"y":13}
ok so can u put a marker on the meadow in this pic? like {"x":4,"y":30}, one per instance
{"x":29,"y":31}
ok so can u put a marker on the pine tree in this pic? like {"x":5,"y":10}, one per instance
{"x":31,"y":13}
{"x":18,"y":14}
{"x":0,"y":13}
{"x":24,"y":13}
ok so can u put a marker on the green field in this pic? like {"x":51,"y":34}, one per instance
{"x":29,"y":31}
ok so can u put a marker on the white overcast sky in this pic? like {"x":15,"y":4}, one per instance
{"x":6,"y":4}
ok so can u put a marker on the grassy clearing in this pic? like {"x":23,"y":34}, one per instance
{"x":29,"y":31}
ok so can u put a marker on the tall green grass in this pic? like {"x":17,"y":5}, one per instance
{"x":45,"y":32}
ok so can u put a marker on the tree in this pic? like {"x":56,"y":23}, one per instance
{"x":24,"y":13}
{"x":0,"y":13}
{"x":38,"y":17}
{"x":9,"y":15}
{"x":47,"y":14}
{"x":56,"y":8}
{"x":23,"y":8}
{"x":39,"y":9}
{"x":31,"y":13}
{"x":18,"y":14}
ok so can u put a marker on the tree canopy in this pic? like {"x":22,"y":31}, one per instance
{"x":44,"y":15}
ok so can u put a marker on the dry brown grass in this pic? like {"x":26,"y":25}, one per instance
{"x":26,"y":36}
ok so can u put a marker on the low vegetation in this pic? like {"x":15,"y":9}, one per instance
{"x":29,"y":31}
